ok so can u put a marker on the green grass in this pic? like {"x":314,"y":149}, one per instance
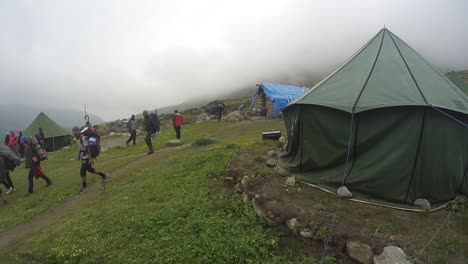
{"x":180,"y":213}
{"x":173,"y":208}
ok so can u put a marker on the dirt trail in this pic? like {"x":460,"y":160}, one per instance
{"x":46,"y":218}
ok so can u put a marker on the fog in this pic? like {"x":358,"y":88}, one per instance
{"x":119,"y":57}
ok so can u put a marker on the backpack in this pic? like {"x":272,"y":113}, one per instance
{"x":93,"y":142}
{"x":154,"y":122}
{"x":37,"y":147}
{"x":9,"y":157}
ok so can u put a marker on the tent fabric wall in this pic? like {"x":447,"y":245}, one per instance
{"x":413,"y":152}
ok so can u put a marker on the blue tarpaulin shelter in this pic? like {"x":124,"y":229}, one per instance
{"x":279,"y":94}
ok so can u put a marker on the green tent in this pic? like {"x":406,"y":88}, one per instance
{"x":384,"y":106}
{"x":56,"y":137}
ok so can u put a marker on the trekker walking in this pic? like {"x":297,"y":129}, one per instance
{"x":220,"y":111}
{"x":151,"y":127}
{"x":21,"y":147}
{"x":9,"y":161}
{"x":33,"y":164}
{"x":85,"y":155}
{"x":177,"y":121}
{"x":13,"y":143}
{"x":42,"y":139}
{"x":132,"y":127}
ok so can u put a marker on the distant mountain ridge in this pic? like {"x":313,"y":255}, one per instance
{"x":460,"y":79}
{"x":18,"y":117}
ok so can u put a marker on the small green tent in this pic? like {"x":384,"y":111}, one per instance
{"x":56,"y":137}
{"x":383,"y":105}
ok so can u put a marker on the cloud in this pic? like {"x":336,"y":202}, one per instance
{"x":119,"y":57}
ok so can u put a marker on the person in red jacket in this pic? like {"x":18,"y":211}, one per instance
{"x":177,"y":121}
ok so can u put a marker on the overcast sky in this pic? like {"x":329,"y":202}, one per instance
{"x":119,"y":57}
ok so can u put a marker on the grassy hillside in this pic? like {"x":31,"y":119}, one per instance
{"x":179,"y":206}
{"x":460,"y":79}
{"x":172,"y":207}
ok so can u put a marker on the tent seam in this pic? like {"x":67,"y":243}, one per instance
{"x":336,"y":71}
{"x":456,"y":89}
{"x":409,"y":70}
{"x":369,"y":75}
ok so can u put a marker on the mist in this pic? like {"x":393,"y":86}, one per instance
{"x":120,"y":57}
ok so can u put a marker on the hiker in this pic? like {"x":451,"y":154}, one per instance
{"x":7,"y":138}
{"x":9,"y":161}
{"x":151,"y":127}
{"x":177,"y":121}
{"x":33,"y":164}
{"x":220,"y":110}
{"x":42,"y":139}
{"x":86,"y":157}
{"x":2,"y":177}
{"x":13,"y":143}
{"x":21,"y":147}
{"x":132,"y":127}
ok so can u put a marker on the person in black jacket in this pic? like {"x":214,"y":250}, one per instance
{"x":150,"y":127}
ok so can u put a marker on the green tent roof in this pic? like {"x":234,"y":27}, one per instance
{"x":50,"y":128}
{"x":385,"y":72}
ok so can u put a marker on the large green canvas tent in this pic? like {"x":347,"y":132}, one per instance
{"x":56,"y":137}
{"x":381,"y":123}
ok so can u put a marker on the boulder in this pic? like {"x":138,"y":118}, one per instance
{"x":174,"y":142}
{"x":292,"y":223}
{"x":392,"y":255}
{"x":359,"y":251}
{"x":423,"y":204}
{"x":245,"y":198}
{"x":291,"y":181}
{"x":306,"y":233}
{"x":202,"y":117}
{"x":271,"y":163}
{"x":272,"y":154}
{"x":235,"y":116}
{"x":344,"y":192}
{"x":282,"y":172}
{"x":282,"y":140}
{"x":261,"y":212}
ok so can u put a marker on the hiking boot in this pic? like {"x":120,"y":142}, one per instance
{"x":150,"y":152}
{"x":11,"y":190}
{"x":48,"y":184}
{"x":84,"y":189}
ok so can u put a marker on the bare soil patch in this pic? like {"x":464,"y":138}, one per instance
{"x":373,"y":225}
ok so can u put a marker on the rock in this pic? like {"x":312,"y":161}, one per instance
{"x":344,"y":192}
{"x":245,"y":198}
{"x":306,"y":233}
{"x":359,"y":251}
{"x":174,"y":142}
{"x":238,"y":188}
{"x":392,"y":255}
{"x":202,"y":117}
{"x":423,"y":204}
{"x":285,"y":146}
{"x":228,"y":178}
{"x":272,"y":154}
{"x":271,"y":163}
{"x":257,"y":196}
{"x":244,"y":182}
{"x":291,"y":181}
{"x":292,"y":223}
{"x":282,"y":140}
{"x":282,"y":172}
{"x":267,"y":216}
{"x":235,"y":116}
